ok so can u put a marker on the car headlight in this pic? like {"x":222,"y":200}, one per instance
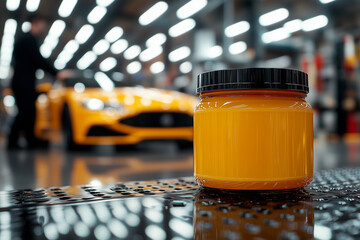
{"x":95,"y":104}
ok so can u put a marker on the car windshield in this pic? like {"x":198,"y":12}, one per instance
{"x":93,"y":80}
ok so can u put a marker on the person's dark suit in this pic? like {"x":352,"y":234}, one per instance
{"x":27,"y":59}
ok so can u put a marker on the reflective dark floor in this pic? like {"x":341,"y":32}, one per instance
{"x":85,"y":195}
{"x":327,"y":209}
{"x":153,"y":160}
{"x":55,"y":167}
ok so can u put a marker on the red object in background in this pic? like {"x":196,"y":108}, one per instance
{"x":305,"y":64}
{"x":352,"y":152}
{"x":351,"y":123}
{"x":319,"y":63}
{"x":349,"y":64}
{"x":350,"y":60}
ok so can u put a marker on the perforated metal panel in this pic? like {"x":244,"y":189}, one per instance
{"x":80,"y":194}
{"x":177,"y":209}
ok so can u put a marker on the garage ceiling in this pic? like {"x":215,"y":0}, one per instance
{"x":215,"y":16}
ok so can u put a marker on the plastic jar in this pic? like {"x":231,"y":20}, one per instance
{"x":253,"y":129}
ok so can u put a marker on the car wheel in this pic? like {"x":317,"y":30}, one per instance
{"x":68,"y":138}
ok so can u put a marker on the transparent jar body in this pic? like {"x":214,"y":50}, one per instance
{"x":253,"y":139}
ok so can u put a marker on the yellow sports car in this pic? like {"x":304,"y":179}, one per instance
{"x":90,"y":109}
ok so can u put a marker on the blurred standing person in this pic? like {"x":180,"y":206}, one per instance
{"x":27,"y":59}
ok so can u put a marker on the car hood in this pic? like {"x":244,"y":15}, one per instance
{"x":147,"y":99}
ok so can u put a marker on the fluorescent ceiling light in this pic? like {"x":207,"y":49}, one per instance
{"x":293,"y":25}
{"x":96,"y":14}
{"x":107,"y":64}
{"x":64,"y":56}
{"x":179,"y":54}
{"x":6,"y":56}
{"x":32,"y":5}
{"x":133,"y":67}
{"x":156,"y":40}
{"x":40,"y":74}
{"x":66,"y":7}
{"x":85,"y":61}
{"x":71,"y":47}
{"x":7,"y":42}
{"x":150,"y":53}
{"x":46,"y":50}
{"x":57,"y":28}
{"x":12,"y":5}
{"x":10,"y":27}
{"x":132,"y":52}
{"x":114,"y":34}
{"x":315,"y":23}
{"x":62,"y":60}
{"x":326,"y":1}
{"x":59,"y":64}
{"x":157,"y":67}
{"x":117,"y":76}
{"x":182,"y":27}
{"x":101,"y":47}
{"x":104,"y":81}
{"x":4,"y":72}
{"x":273,"y":16}
{"x":84,"y":33}
{"x":237,"y":48}
{"x":6,"y":50}
{"x":6,"y":59}
{"x":153,"y":13}
{"x":191,"y":8}
{"x":51,"y":41}
{"x":7,"y":45}
{"x":9,"y":101}
{"x":119,"y":46}
{"x":5,"y":62}
{"x":25,"y":27}
{"x":215,"y":51}
{"x":67,"y":53}
{"x":104,"y":3}
{"x":237,"y":29}
{"x":7,"y":39}
{"x":185,"y":67}
{"x":275,"y":35}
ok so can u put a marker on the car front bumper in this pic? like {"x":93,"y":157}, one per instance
{"x":104,"y":128}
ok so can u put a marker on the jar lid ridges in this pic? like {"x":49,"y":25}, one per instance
{"x":252,"y":78}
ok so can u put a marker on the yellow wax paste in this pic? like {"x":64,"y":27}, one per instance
{"x":253,"y":139}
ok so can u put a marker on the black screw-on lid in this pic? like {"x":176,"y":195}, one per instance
{"x":252,"y":78}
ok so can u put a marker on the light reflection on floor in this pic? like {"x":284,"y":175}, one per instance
{"x":56,"y":167}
